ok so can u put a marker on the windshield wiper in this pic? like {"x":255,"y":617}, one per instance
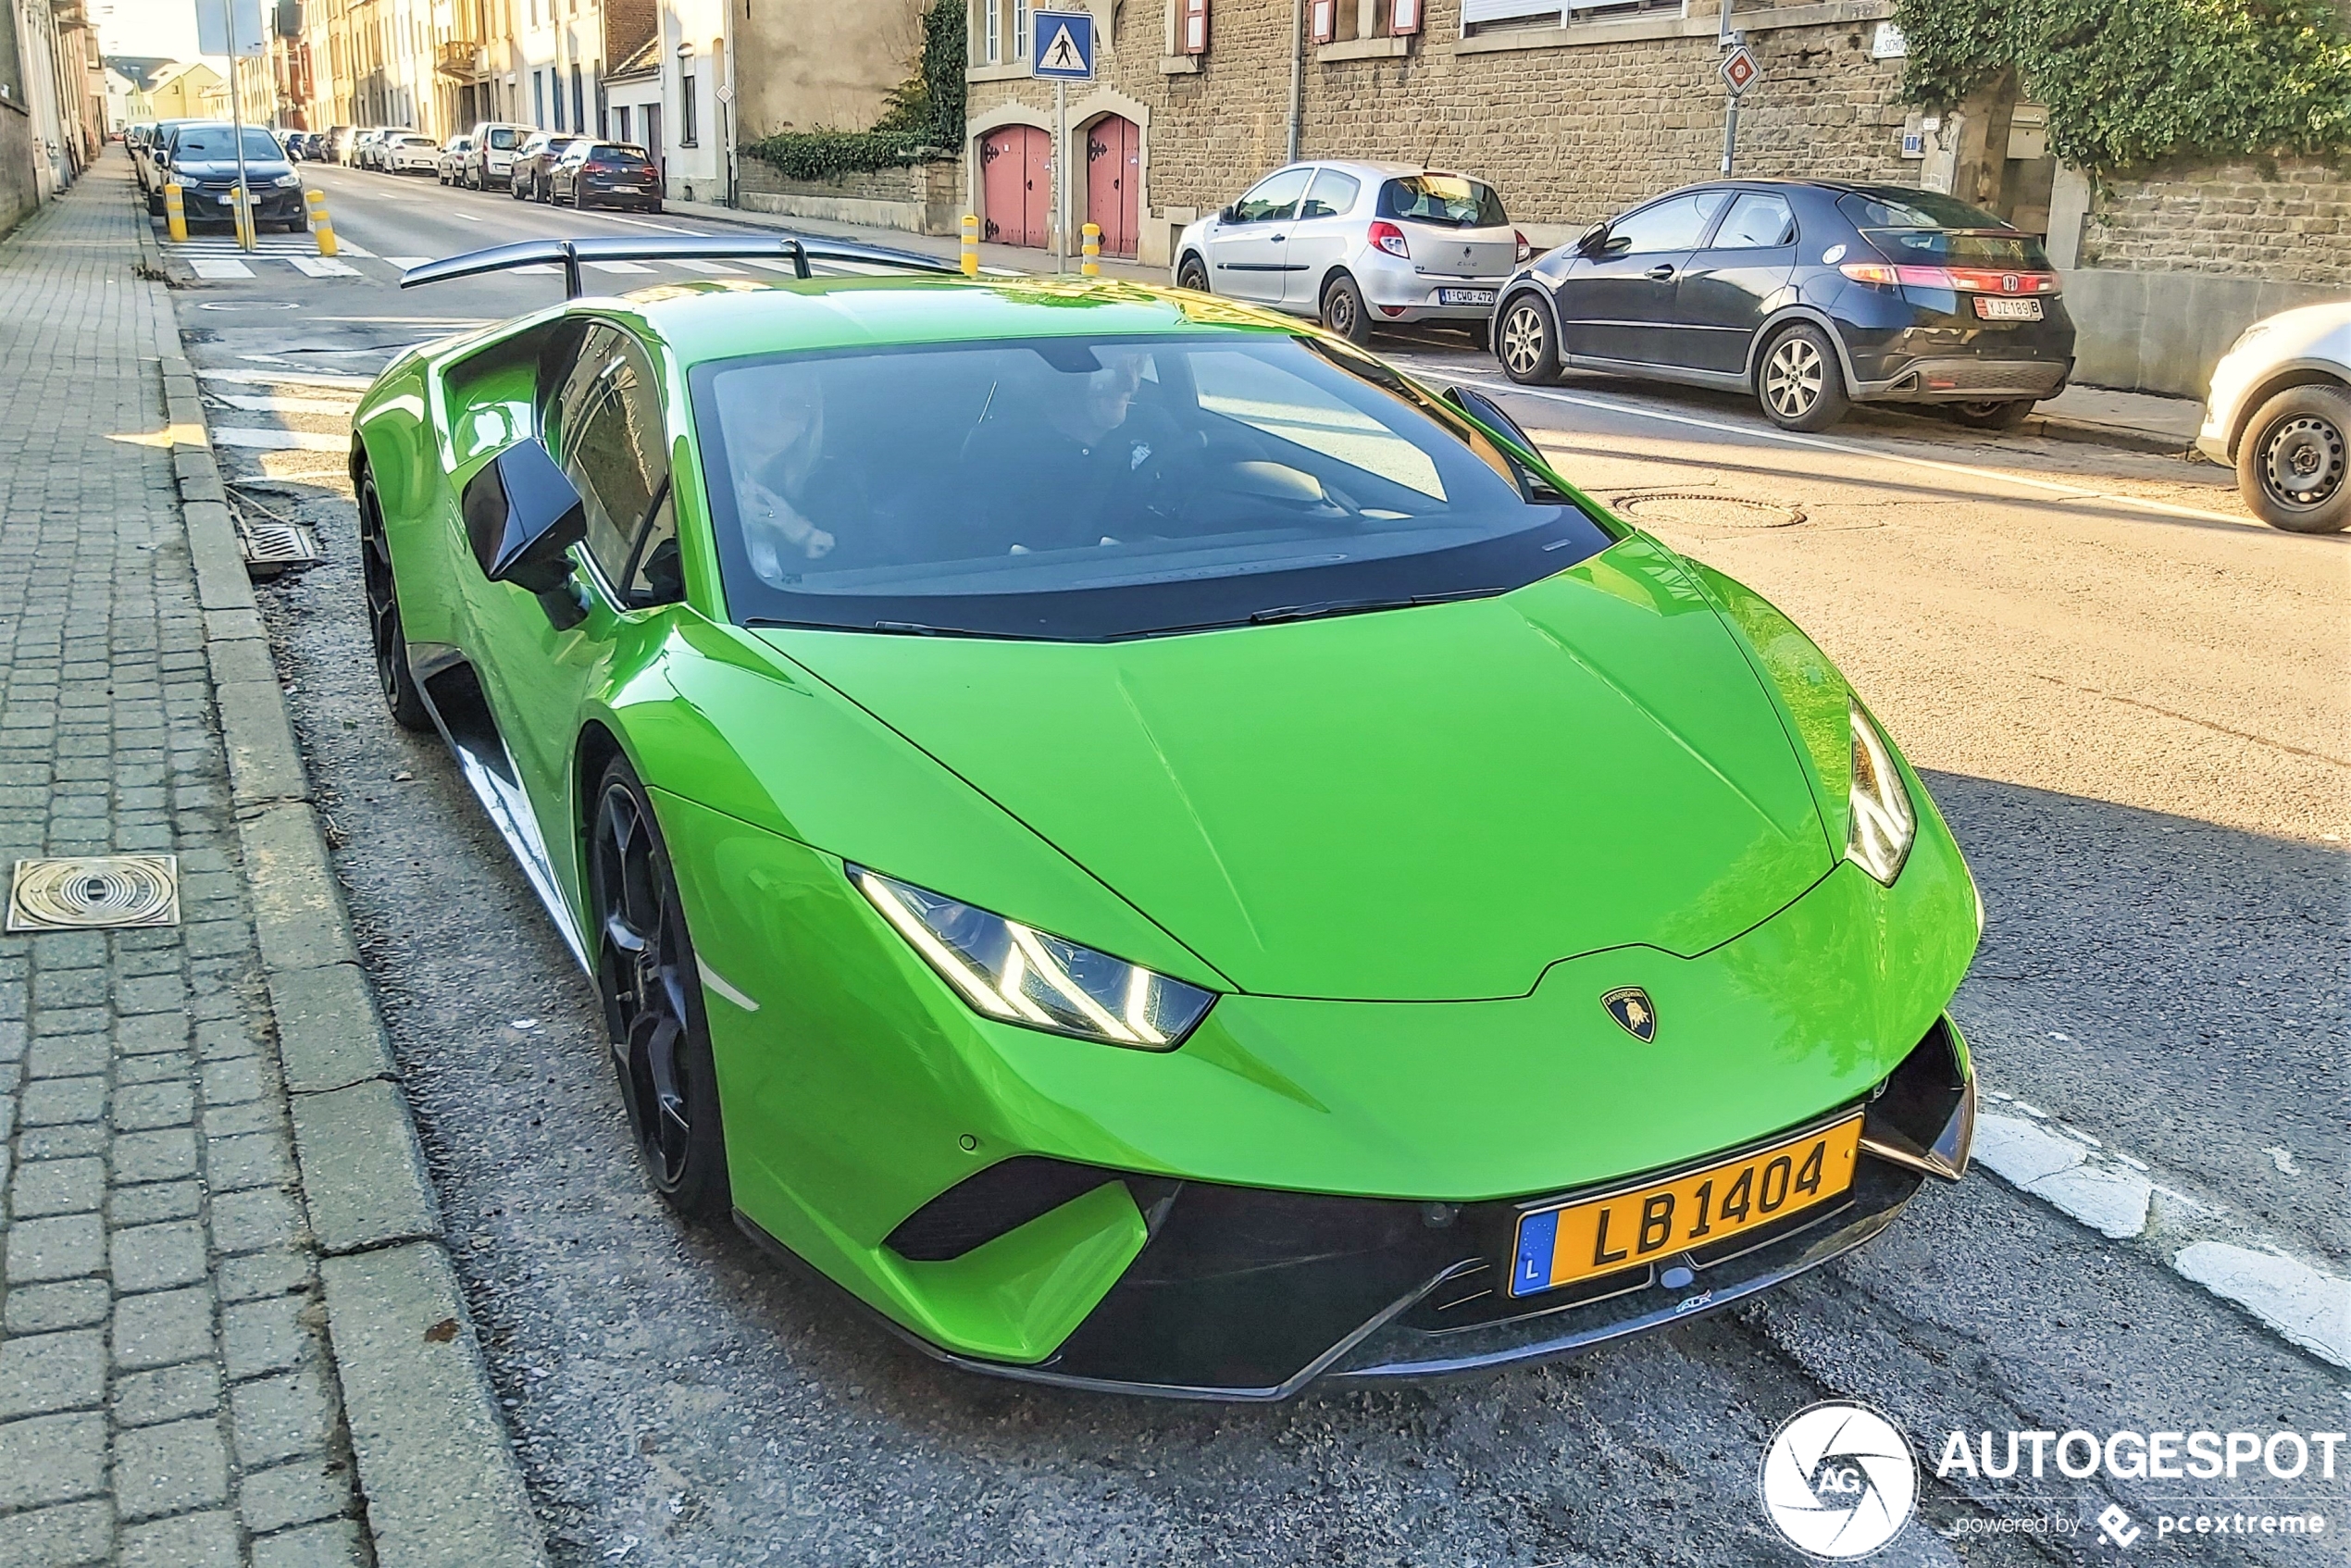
{"x":1361,"y":606}
{"x":895,"y":628}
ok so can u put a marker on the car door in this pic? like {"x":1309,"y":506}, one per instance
{"x":1732,"y":282}
{"x":1617,"y":300}
{"x":1248,"y":251}
{"x":1320,"y":236}
{"x":604,"y":421}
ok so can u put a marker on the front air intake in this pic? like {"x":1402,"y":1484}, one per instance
{"x":1003,"y":1198}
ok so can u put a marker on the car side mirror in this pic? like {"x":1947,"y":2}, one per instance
{"x":523,"y":515}
{"x":1230,"y":215}
{"x":1588,"y":243}
{"x":1616,"y":245}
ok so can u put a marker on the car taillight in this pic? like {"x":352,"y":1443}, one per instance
{"x":1389,"y":238}
{"x":1972,"y":280}
{"x":1525,"y":251}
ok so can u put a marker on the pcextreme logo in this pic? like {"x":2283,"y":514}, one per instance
{"x":1838,"y":1480}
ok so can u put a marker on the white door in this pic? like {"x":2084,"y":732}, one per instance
{"x":1248,"y":252}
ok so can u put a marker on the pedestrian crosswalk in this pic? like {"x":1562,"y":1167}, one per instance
{"x":221,"y":259}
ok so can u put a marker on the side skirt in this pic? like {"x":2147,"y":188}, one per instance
{"x":454,"y":696}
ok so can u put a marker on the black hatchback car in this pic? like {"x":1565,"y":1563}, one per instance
{"x":1812,"y":295}
{"x":605,"y":174}
{"x":201,"y":157}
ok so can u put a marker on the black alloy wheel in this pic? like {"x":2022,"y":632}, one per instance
{"x":651,"y":990}
{"x":394,"y":676}
{"x":1343,"y":310}
{"x":1193,"y":275}
{"x":1996,"y":414}
{"x":2292,"y":461}
{"x":1527,"y":348}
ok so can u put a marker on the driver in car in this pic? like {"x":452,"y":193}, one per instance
{"x":1075,"y":475}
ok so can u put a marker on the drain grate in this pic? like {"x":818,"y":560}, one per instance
{"x":95,"y":892}
{"x":1702,"y":508}
{"x":271,"y":548}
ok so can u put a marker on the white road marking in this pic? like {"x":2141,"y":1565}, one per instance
{"x":613,"y":266}
{"x":2197,"y":1236}
{"x":2283,"y":1157}
{"x":1848,"y":449}
{"x":466,"y":216}
{"x":537,"y":270}
{"x":787,"y":268}
{"x":284,"y":378}
{"x":406,"y":262}
{"x":716,"y":268}
{"x":220,"y":268}
{"x":277,"y":440}
{"x":323,"y":267}
{"x":640,"y":223}
{"x":247,"y":403}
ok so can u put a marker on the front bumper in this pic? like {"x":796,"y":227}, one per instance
{"x":1248,"y":1295}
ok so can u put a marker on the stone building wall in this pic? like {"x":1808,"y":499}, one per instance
{"x":2284,"y":224}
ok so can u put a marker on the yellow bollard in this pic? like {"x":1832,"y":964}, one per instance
{"x":971,"y":245}
{"x":175,"y":213}
{"x":241,"y":212}
{"x":1092,"y":265}
{"x":321,"y":227}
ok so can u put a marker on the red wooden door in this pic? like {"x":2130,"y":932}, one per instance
{"x":1113,"y":169}
{"x":1016,"y":186}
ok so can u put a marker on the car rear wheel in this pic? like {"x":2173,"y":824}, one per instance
{"x":1998,"y":414}
{"x":1799,"y":384}
{"x":1193,"y":275}
{"x":1528,"y":349}
{"x":394,"y":674}
{"x":651,"y":990}
{"x":1343,"y":310}
{"x":579,"y":198}
{"x":2291,"y":462}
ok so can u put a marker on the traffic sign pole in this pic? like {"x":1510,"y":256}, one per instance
{"x":1061,"y":176}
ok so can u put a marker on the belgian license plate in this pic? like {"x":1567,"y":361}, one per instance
{"x":632,"y":189}
{"x":1465,"y":296}
{"x":1991,"y":309}
{"x":1625,"y":1229}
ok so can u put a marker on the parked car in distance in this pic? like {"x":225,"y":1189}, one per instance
{"x":605,"y":174}
{"x":2278,"y":410}
{"x":202,"y":156}
{"x":1811,"y":294}
{"x":1358,"y":245}
{"x":362,"y":142}
{"x":408,"y":152}
{"x":490,"y":161}
{"x":150,"y":158}
{"x":337,"y":148}
{"x":295,"y":144}
{"x":450,"y":168}
{"x":526,"y":176}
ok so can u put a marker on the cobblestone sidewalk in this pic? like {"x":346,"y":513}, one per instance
{"x":184,"y":1239}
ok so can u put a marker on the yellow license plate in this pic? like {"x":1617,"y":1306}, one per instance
{"x":1627,"y":1229}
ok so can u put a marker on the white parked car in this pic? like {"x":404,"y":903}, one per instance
{"x":451,"y":169}
{"x":408,"y":153}
{"x":2279,"y":410}
{"x":1358,"y":245}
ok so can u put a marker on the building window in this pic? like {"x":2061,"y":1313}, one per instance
{"x":1322,"y":19}
{"x":1020,"y":30}
{"x":557,"y":73}
{"x":688,"y":112}
{"x":578,"y":98}
{"x":539,"y":99}
{"x":1404,"y":17}
{"x":1194,"y":33}
{"x":994,"y":30}
{"x":622,"y":113}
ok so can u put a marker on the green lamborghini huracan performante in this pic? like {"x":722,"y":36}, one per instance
{"x":1148,"y":847}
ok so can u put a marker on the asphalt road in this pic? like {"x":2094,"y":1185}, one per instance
{"x":2132,"y":705}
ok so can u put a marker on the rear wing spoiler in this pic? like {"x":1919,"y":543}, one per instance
{"x":570,"y":254}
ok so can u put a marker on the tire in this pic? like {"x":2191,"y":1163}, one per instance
{"x":1798,"y":381}
{"x":541,"y":192}
{"x":1481,"y":336}
{"x":1192,"y":273}
{"x":1343,"y":310}
{"x":394,"y":676}
{"x":1529,"y":348}
{"x":654,"y":208}
{"x":651,"y":992}
{"x":2001,"y":414}
{"x":515,"y":188}
{"x":2290,"y":460}
{"x":579,"y":198}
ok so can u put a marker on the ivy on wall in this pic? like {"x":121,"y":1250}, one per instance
{"x":924,"y":119}
{"x":2129,"y":83}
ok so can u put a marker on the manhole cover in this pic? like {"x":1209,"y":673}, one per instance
{"x":95,"y":892}
{"x":1704,"y":509}
{"x":270,"y":548}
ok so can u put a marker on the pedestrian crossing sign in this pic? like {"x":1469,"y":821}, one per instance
{"x":1064,"y":47}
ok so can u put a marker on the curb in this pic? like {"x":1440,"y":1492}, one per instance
{"x":2088,"y":432}
{"x":437,"y":1472}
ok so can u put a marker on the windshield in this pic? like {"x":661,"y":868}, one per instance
{"x":607,"y":152}
{"x":217,"y":143}
{"x":506,"y":141}
{"x":1083,"y":489}
{"x":1445,"y":199}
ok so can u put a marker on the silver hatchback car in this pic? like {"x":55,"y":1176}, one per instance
{"x":1358,"y":245}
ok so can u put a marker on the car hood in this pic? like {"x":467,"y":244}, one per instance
{"x":257,"y":169}
{"x":1426,"y":804}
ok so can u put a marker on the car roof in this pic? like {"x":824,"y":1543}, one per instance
{"x":715,"y":318}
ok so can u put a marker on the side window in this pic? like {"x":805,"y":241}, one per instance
{"x":1334,"y":193}
{"x":611,"y":439}
{"x":1273,"y":197}
{"x":1757,"y":221}
{"x":1672,"y":224}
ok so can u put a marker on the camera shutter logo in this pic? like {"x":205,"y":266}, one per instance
{"x":1838,"y":1480}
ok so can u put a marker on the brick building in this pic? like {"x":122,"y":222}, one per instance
{"x":1575,"y":110}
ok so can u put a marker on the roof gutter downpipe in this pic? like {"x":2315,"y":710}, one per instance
{"x":1297,"y":74}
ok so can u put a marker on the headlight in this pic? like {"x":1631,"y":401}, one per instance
{"x":287,"y":182}
{"x":1882,"y":822}
{"x":1017,"y":973}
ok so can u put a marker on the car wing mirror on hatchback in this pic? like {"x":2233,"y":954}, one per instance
{"x":523,"y":515}
{"x":1230,"y":214}
{"x":1589,"y":242}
